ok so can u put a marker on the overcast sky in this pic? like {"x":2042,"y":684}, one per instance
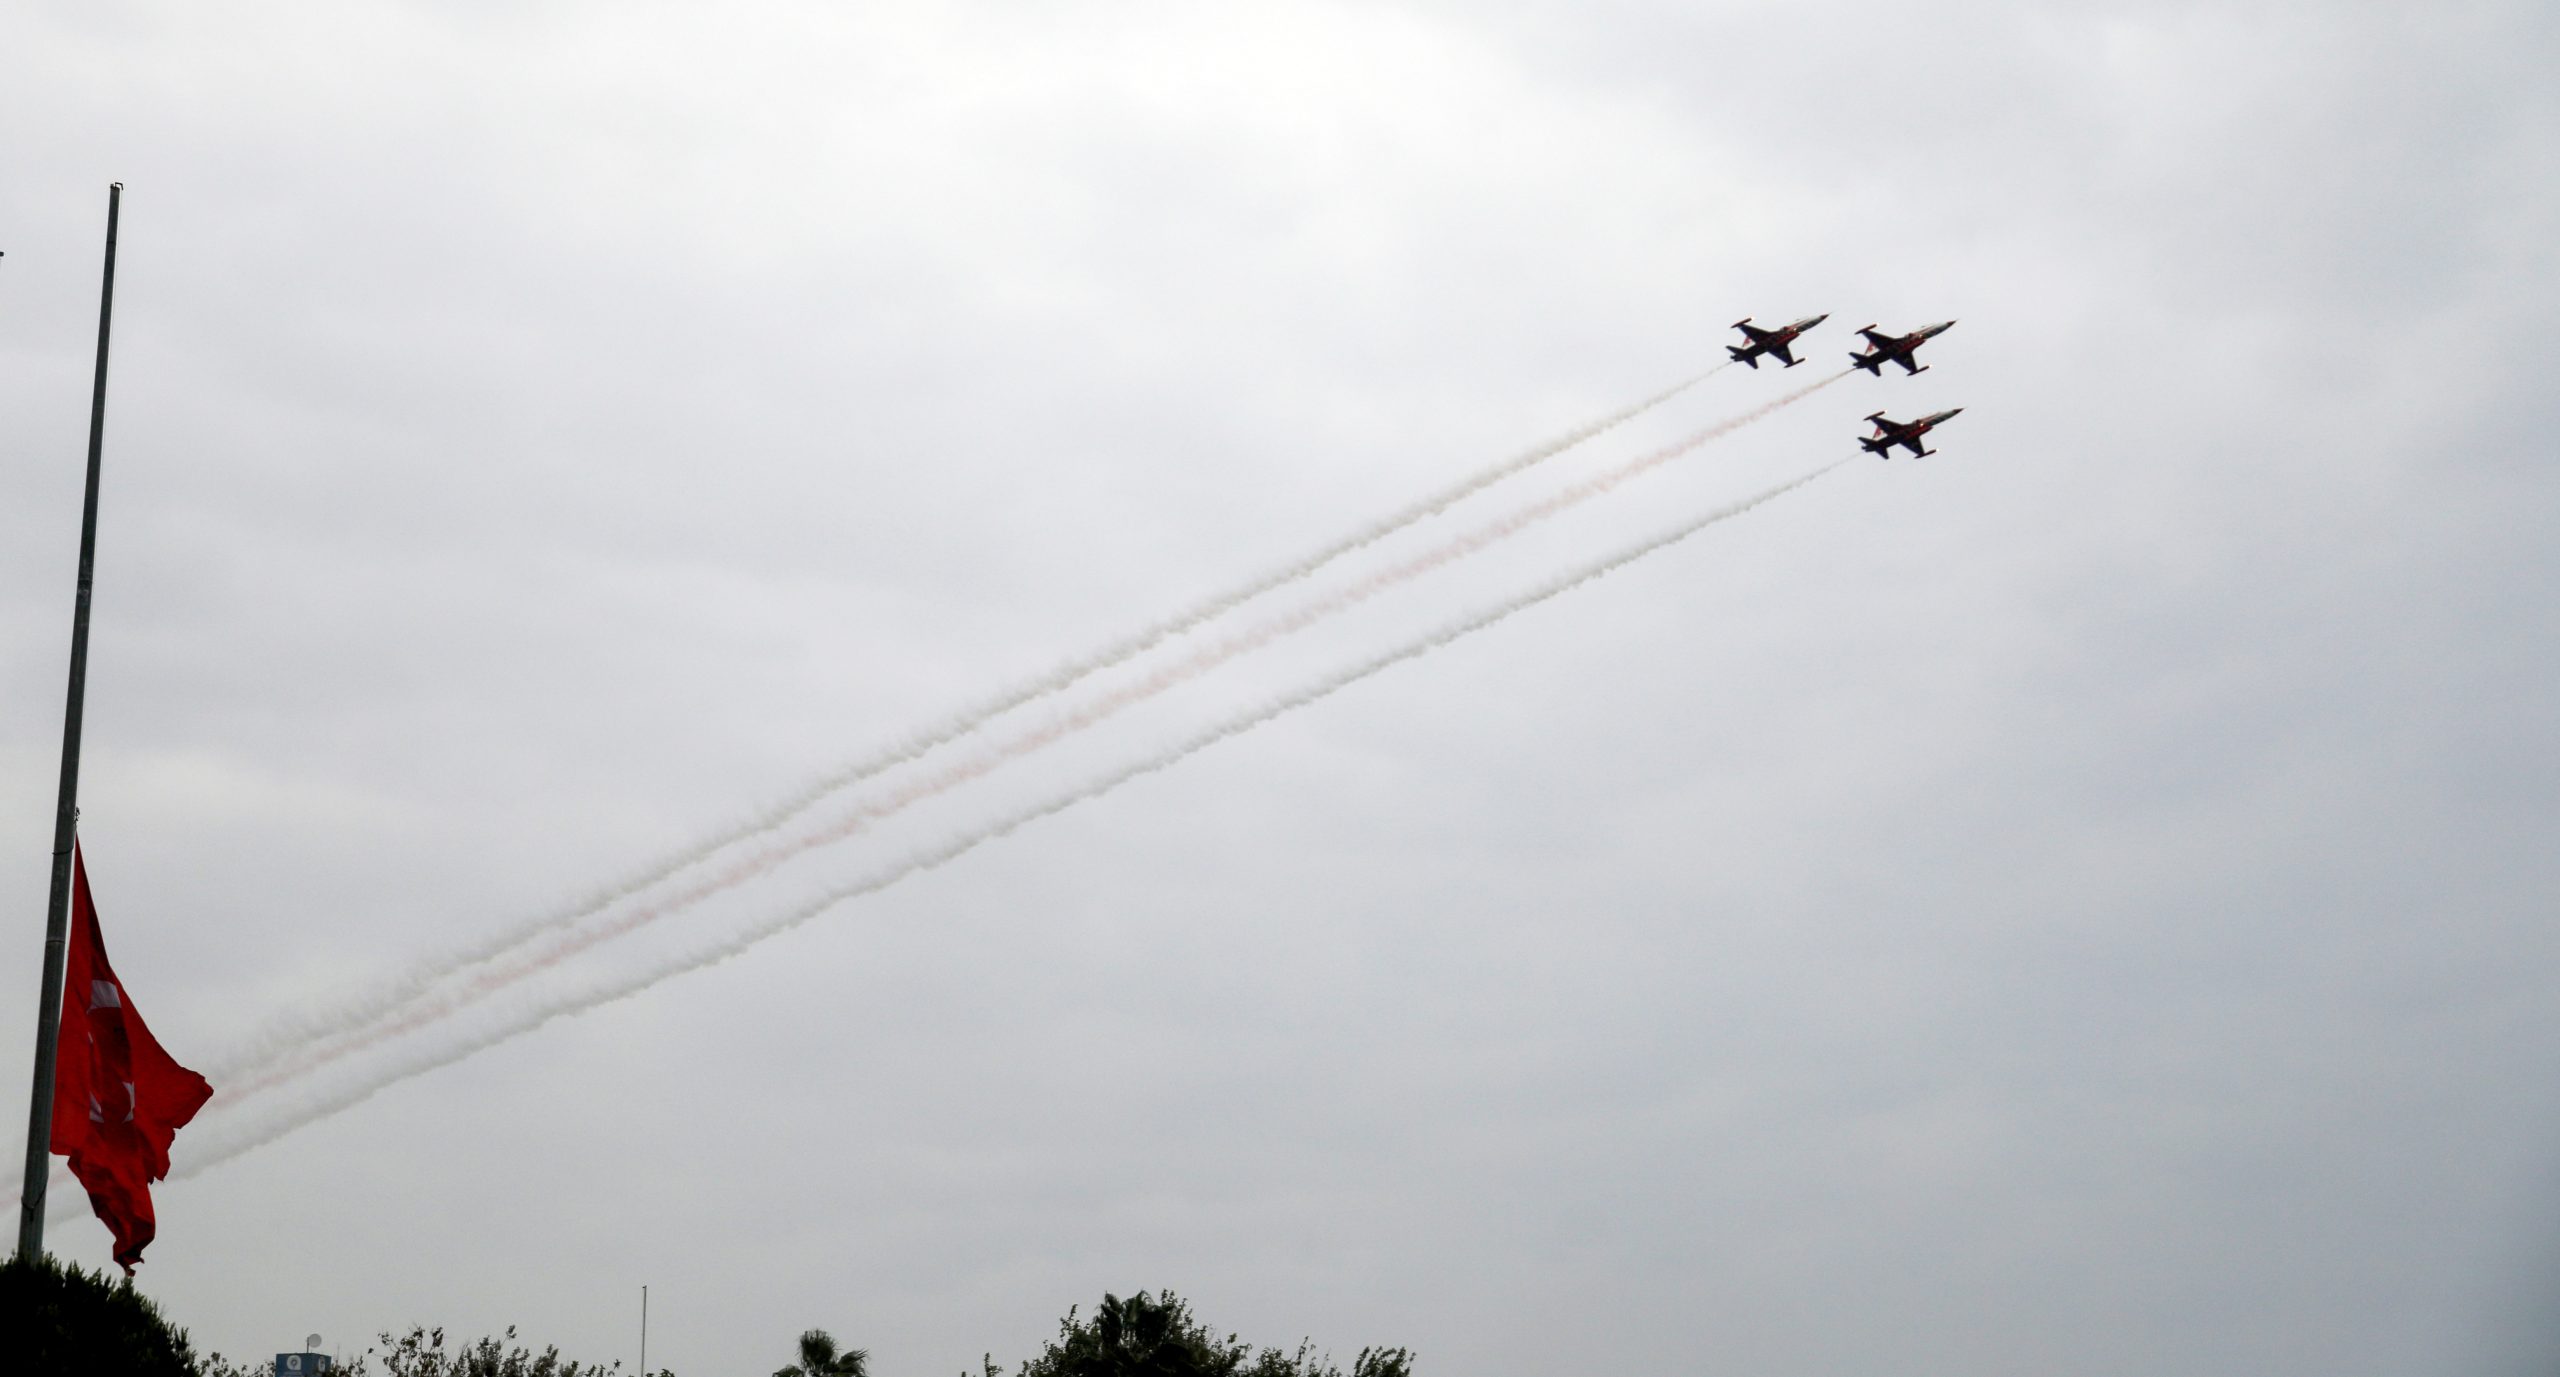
{"x":2078,"y":902}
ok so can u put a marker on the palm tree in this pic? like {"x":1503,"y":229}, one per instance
{"x":819,"y":1357}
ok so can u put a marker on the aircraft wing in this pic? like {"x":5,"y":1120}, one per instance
{"x":1879,"y":341}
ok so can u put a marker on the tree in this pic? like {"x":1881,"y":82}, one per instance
{"x":819,"y":1357}
{"x":1383,"y":1362}
{"x":1156,"y":1336}
{"x":58,"y":1318}
{"x":421,"y":1353}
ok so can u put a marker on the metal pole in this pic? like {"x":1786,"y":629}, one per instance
{"x":66,"y":818}
{"x":644,"y":1331}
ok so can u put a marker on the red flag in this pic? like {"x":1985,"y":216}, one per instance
{"x":118,"y":1099}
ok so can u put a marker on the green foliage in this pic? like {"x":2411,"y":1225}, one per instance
{"x":1383,"y":1362}
{"x":55,"y":1318}
{"x":215,"y":1366}
{"x":421,"y":1353}
{"x":819,"y":1357}
{"x":59,"y":1318}
{"x":1157,"y":1336}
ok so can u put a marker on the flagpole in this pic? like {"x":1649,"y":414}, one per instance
{"x":66,"y":818}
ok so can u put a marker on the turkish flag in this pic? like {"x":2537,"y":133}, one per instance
{"x":118,"y":1099}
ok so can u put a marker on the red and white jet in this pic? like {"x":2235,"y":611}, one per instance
{"x":1884,"y":349}
{"x":1904,"y":433}
{"x":1770,"y":341}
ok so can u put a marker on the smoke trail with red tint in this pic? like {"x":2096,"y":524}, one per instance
{"x":289,"y":1035}
{"x":427,"y":1008}
{"x":208,"y":1149}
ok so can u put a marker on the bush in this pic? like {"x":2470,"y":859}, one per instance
{"x":1156,"y":1336}
{"x":421,"y":1353}
{"x":61,"y":1319}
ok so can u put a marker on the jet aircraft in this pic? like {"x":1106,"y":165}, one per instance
{"x":1770,"y":341}
{"x":1884,"y":349}
{"x":1904,"y":433}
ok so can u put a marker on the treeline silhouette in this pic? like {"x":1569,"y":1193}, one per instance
{"x":59,"y":1318}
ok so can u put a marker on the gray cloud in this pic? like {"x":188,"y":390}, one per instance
{"x":2073,"y":902}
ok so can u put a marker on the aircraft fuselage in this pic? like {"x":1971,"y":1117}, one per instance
{"x":1777,"y":342}
{"x":1904,"y":433}
{"x":1884,"y":349}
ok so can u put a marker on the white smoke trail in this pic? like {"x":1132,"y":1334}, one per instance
{"x":432,"y":1006}
{"x":287,"y":1035}
{"x":214,"y":1148}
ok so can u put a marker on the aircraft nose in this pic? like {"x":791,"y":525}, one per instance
{"x":1817,"y":320}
